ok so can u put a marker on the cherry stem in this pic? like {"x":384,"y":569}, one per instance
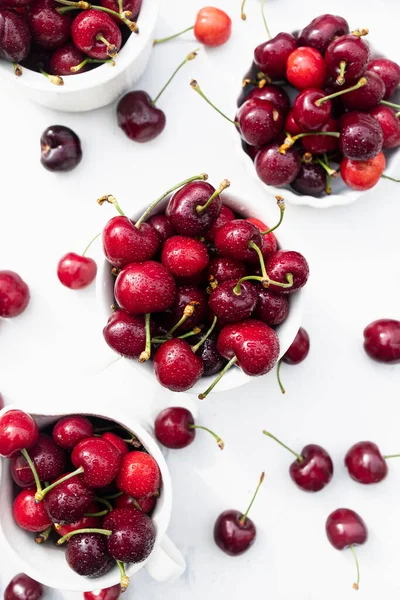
{"x":103,"y":501}
{"x":281,"y":206}
{"x":69,"y":535}
{"x":222,"y":186}
{"x":289,"y":141}
{"x":194,"y":331}
{"x":278,"y":376}
{"x":298,"y":456}
{"x":202,"y":177}
{"x":111,"y":200}
{"x":43,"y":536}
{"x":220,"y":443}
{"x":390,"y":178}
{"x":195,"y":86}
{"x":218,"y":378}
{"x":260,"y":256}
{"x":112,"y":496}
{"x":130,"y":24}
{"x":171,"y":37}
{"x":242,"y":519}
{"x":136,"y":503}
{"x":242,"y":13}
{"x":265,"y":21}
{"x":356,"y":585}
{"x":91,"y":60}
{"x":342,"y":69}
{"x":91,"y":242}
{"x":326,"y":167}
{"x":124,"y":583}
{"x":360,"y":83}
{"x":237,"y":289}
{"x":360,"y":32}
{"x":145,"y":355}
{"x":190,"y":56}
{"x":133,"y":442}
{"x":187,"y":312}
{"x":391,"y":456}
{"x":56,"y":79}
{"x":101,"y":513}
{"x":33,"y":469}
{"x":42,"y":493}
{"x":111,"y":48}
{"x":203,"y":339}
{"x":17,"y":69}
{"x":386,"y":103}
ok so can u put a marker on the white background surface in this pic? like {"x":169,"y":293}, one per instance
{"x":49,"y":356}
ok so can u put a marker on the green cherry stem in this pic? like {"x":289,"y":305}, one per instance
{"x":42,"y":537}
{"x":194,"y":331}
{"x":356,"y":585}
{"x":28,"y":459}
{"x":42,"y":493}
{"x":360,"y":83}
{"x":243,"y":15}
{"x":91,"y":242}
{"x":281,"y":205}
{"x":278,"y":376}
{"x":91,"y":61}
{"x":331,"y":172}
{"x":390,"y":178}
{"x":242,"y":519}
{"x":265,"y":279}
{"x":55,"y":79}
{"x":265,"y":20}
{"x":218,"y":378}
{"x":391,"y":456}
{"x":195,"y":86}
{"x":103,"y":501}
{"x":222,"y":186}
{"x":298,"y":456}
{"x":101,"y":513}
{"x":219,"y":441}
{"x":203,"y":339}
{"x":260,"y":256}
{"x":190,"y":56}
{"x":111,"y":200}
{"x":69,"y":535}
{"x":386,"y":103}
{"x":112,"y":50}
{"x":188,"y":311}
{"x":171,"y":37}
{"x":289,"y":141}
{"x":145,"y":355}
{"x":342,"y":69}
{"x":124,"y":583}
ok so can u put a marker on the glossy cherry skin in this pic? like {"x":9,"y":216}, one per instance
{"x":184,"y":256}
{"x":139,"y":475}
{"x":212,"y":360}
{"x":322,"y":31}
{"x":274,"y":168}
{"x":259,"y":121}
{"x":68,"y":501}
{"x":306,"y":112}
{"x":75,"y":271}
{"x":283,"y":262}
{"x":15,"y":36}
{"x":274,"y":94}
{"x":310,"y":181}
{"x":133,"y":535}
{"x":390,"y":125}
{"x":222,"y":269}
{"x":230,"y":307}
{"x":100,"y":460}
{"x":367,"y":96}
{"x":87,"y":554}
{"x":345,"y":528}
{"x":182,"y":213}
{"x":225,"y":215}
{"x":362,"y":174}
{"x":231,"y":536}
{"x":389,"y":72}
{"x":318,"y":144}
{"x":132,"y":6}
{"x":232,"y":240}
{"x":269,"y":242}
{"x":212,"y":27}
{"x":110,"y":593}
{"x":18,"y":430}
{"x":382,"y":340}
{"x":315,"y":471}
{"x":22,"y":587}
{"x":146,"y":504}
{"x":145,"y":288}
{"x":176,"y":367}
{"x":49,"y":29}
{"x":306,"y":68}
{"x":185,"y":294}
{"x":291,"y":126}
{"x":83,"y":523}
{"x":351,"y":49}
{"x":123,"y":243}
{"x":28,"y":514}
{"x":125,"y":334}
{"x":163,"y":227}
{"x":255,"y":345}
{"x":299,"y":348}
{"x":138,"y":118}
{"x":71,"y":430}
{"x":60,"y":149}
{"x":117,"y":442}
{"x":49,"y":460}
{"x":174,"y":427}
{"x":270,"y":57}
{"x":271,"y":309}
{"x":66,"y":57}
{"x":14,"y":294}
{"x":365,"y":463}
{"x":361,"y":136}
{"x":87,"y":25}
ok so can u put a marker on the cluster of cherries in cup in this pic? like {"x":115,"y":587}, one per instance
{"x":110,"y":466}
{"x":342,"y":111}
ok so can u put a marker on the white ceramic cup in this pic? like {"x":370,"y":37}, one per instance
{"x":100,"y":86}
{"x":46,"y":562}
{"x":248,"y":205}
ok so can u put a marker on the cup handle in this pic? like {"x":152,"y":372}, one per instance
{"x":166,"y":562}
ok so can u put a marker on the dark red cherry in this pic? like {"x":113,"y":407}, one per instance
{"x":365,"y":463}
{"x":124,"y":243}
{"x":269,"y":242}
{"x":14,"y":294}
{"x":125,"y":334}
{"x":212,"y":360}
{"x":234,"y":240}
{"x":69,"y":431}
{"x":18,"y":431}
{"x":367,"y":96}
{"x":144,"y":504}
{"x":87,"y":555}
{"x":2,"y":403}
{"x":139,"y":475}
{"x":29,"y":514}
{"x":110,"y":593}
{"x":96,"y":34}
{"x":99,"y":460}
{"x":271,"y":56}
{"x":389,"y":123}
{"x":362,"y":174}
{"x":163,"y":227}
{"x":361,"y":136}
{"x":49,"y":29}
{"x":184,"y":208}
{"x":308,"y":114}
{"x":306,"y":68}
{"x":274,"y":94}
{"x":175,"y":428}
{"x":311,"y":180}
{"x":176,"y":367}
{"x":274,"y":168}
{"x":225,"y":215}
{"x":138,"y":118}
{"x":382,"y":340}
{"x":184,"y":256}
{"x":322,"y":31}
{"x":15,"y":36}
{"x":231,"y":302}
{"x":298,"y":349}
{"x":319,"y":144}
{"x":283,"y":262}
{"x":116,"y":441}
{"x":346,"y":58}
{"x":133,"y":6}
{"x":66,"y":57}
{"x":389,"y":72}
{"x":75,"y":271}
{"x":22,"y":587}
{"x":133,"y":535}
{"x":259,"y":121}
{"x":144,"y":288}
{"x":49,"y":460}
{"x":68,"y":501}
{"x":291,"y":126}
{"x":271,"y":309}
{"x":83,"y":523}
{"x":223,"y":268}
{"x":186,"y":294}
{"x":60,"y":149}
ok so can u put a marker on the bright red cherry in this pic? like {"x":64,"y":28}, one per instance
{"x":365,"y":463}
{"x":18,"y":431}
{"x":176,"y":367}
{"x":236,"y":238}
{"x":382,"y":340}
{"x":299,"y":348}
{"x":15,"y":36}
{"x":49,"y":29}
{"x":389,"y":123}
{"x":389,"y":71}
{"x":98,"y":460}
{"x":184,"y":256}
{"x":346,"y":58}
{"x":212,"y":27}
{"x":322,"y":31}
{"x":64,"y":59}
{"x":29,"y":514}
{"x":139,"y":475}
{"x":283,"y":263}
{"x":71,"y":430}
{"x":306,"y":68}
{"x":145,"y":287}
{"x":362,"y":174}
{"x":233,"y":301}
{"x":96,"y":34}
{"x":22,"y":587}
{"x":271,"y":56}
{"x":308,"y":113}
{"x":111,"y":593}
{"x":194,"y":208}
{"x":259,"y":121}
{"x":49,"y":460}
{"x":124,"y":242}
{"x":125,"y":334}
{"x":175,"y":428}
{"x":14,"y":294}
{"x":271,"y":309}
{"x":75,"y":271}
{"x":117,"y":442}
{"x":225,"y":215}
{"x":274,"y":168}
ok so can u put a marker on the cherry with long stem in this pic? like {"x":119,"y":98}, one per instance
{"x":207,"y":334}
{"x":82,"y":5}
{"x":218,"y":378}
{"x":360,"y":83}
{"x":40,"y":494}
{"x":243,"y":518}
{"x":32,"y":467}
{"x":390,"y":178}
{"x":190,"y":56}
{"x":195,"y":86}
{"x":171,"y":37}
{"x":278,"y":376}
{"x":298,"y":456}
{"x":223,"y":185}
{"x":264,"y":279}
{"x":265,"y":20}
{"x":356,"y":584}
{"x":220,"y":443}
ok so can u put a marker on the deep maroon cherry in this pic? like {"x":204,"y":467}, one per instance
{"x":139,"y":119}
{"x":49,"y":460}
{"x":225,"y":215}
{"x":71,"y":430}
{"x":60,"y":148}
{"x":144,"y":288}
{"x":308,"y":113}
{"x":274,"y":94}
{"x":235,"y":239}
{"x":133,"y":535}
{"x":298,"y":349}
{"x":87,"y":555}
{"x":176,"y":367}
{"x":311,"y":180}
{"x":389,"y":71}
{"x":389,"y":123}
{"x":365,"y":463}
{"x":110,"y":593}
{"x":271,"y":56}
{"x":233,"y":301}
{"x":306,"y":68}
{"x":382,"y":340}
{"x":98,"y":460}
{"x":14,"y":294}
{"x":76,"y":271}
{"x":139,"y":475}
{"x":96,"y":34}
{"x":322,"y":31}
{"x":28,"y":514}
{"x":68,"y":501}
{"x":274,"y":168}
{"x":15,"y":36}
{"x":18,"y":431}
{"x":22,"y":587}
{"x":185,"y":295}
{"x":367,"y":96}
{"x":175,"y":428}
{"x":222,"y":269}
{"x":291,"y":126}
{"x":49,"y":29}
{"x":124,"y":243}
{"x":184,"y":256}
{"x":133,"y":6}
{"x":65,"y":59}
{"x":84,"y":522}
{"x":144,"y":504}
{"x":259,"y":121}
{"x":346,"y":58}
{"x":319,"y":144}
{"x":271,"y":309}
{"x":285,"y":262}
{"x":163,"y":227}
{"x":125,"y":334}
{"x":212,"y":360}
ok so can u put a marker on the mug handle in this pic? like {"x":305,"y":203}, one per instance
{"x":166,"y":562}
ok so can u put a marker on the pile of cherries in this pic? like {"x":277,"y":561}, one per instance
{"x":101,"y":509}
{"x":59,"y":37}
{"x":198,"y":271}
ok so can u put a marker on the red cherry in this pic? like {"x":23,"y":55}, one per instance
{"x":281,"y":264}
{"x":259,"y":121}
{"x":222,"y":269}
{"x":133,"y":535}
{"x":98,"y":459}
{"x":319,"y":144}
{"x":111,"y":593}
{"x":270,"y":57}
{"x":15,"y":37}
{"x":96,"y":34}
{"x":49,"y":460}
{"x":346,"y":58}
{"x":184,"y":256}
{"x":87,"y":555}
{"x":312,"y":180}
{"x":269,"y":242}
{"x":365,"y":463}
{"x":274,"y":94}
{"x":306,"y":68}
{"x":133,"y":6}
{"x":139,"y":118}
{"x":321,"y":31}
{"x":367,"y":96}
{"x":75,"y":271}
{"x":22,"y":587}
{"x":116,"y":441}
{"x":71,"y":430}
{"x":18,"y":431}
{"x":139,"y":475}
{"x":14,"y":294}
{"x":163,"y":227}
{"x":83,"y":523}
{"x":28,"y":514}
{"x":68,"y":500}
{"x":66,"y":57}
{"x":389,"y":71}
{"x":225,"y":215}
{"x":49,"y":29}
{"x":176,"y":367}
{"x":382,"y":340}
{"x":175,"y":428}
{"x":235,"y":239}
{"x":271,"y":309}
{"x":212,"y":27}
{"x":292,"y":127}
{"x":307,"y":113}
{"x":125,"y":334}
{"x":232,"y":301}
{"x":145,"y":288}
{"x":145,"y":504}
{"x":184,"y":206}
{"x":185,"y":295}
{"x":389,"y":123}
{"x":124,"y":243}
{"x":274,"y":168}
{"x":299,"y":348}
{"x":362,"y":174}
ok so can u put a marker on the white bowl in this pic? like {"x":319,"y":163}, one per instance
{"x":165,"y":563}
{"x":100,"y":86}
{"x":248,"y":206}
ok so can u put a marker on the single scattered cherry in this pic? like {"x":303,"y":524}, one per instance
{"x":366,"y":464}
{"x":76,"y":271}
{"x":382,"y":340}
{"x":212,"y":27}
{"x":14,"y":294}
{"x":60,"y":149}
{"x":23,"y":587}
{"x":175,"y":428}
{"x":299,"y":348}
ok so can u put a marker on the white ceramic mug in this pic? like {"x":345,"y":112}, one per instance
{"x":46,"y":562}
